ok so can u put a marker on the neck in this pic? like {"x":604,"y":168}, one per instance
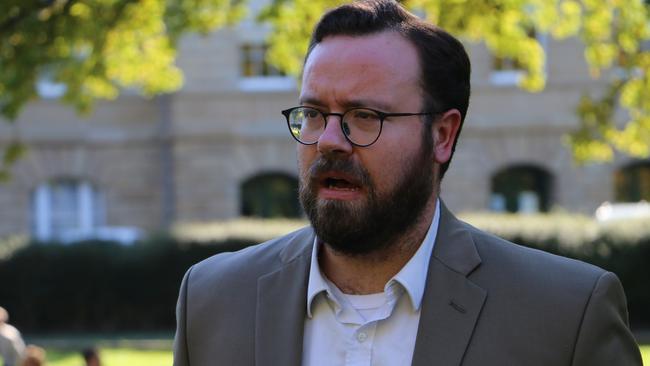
{"x":369,"y":273}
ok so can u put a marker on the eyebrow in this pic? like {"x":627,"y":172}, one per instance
{"x":348,"y":104}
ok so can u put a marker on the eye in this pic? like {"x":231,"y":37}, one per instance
{"x":363,"y":115}
{"x":310,"y":113}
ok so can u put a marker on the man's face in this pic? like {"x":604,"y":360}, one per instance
{"x":359,"y":199}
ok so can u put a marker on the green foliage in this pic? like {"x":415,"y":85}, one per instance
{"x":611,"y":31}
{"x":98,"y":286}
{"x":98,"y":47}
{"x":12,"y":152}
{"x":559,"y":231}
{"x":106,"y":287}
{"x":11,"y":244}
{"x":243,"y":229}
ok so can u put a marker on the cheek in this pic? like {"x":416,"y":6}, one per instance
{"x":385,"y":167}
{"x":389,"y":162}
{"x":306,"y":155}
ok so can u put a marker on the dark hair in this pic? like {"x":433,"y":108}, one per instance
{"x":444,"y":64}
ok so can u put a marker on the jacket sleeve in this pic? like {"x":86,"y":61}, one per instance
{"x":181,"y":353}
{"x":604,"y":337}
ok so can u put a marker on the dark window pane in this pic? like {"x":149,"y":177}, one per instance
{"x":521,"y":188}
{"x":632,"y":183}
{"x":270,"y":195}
{"x":253,"y":61}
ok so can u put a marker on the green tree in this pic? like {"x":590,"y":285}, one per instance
{"x":612,"y":32}
{"x":99,"y":47}
{"x":96,"y":48}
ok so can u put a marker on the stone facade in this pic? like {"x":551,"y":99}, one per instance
{"x":183,"y":157}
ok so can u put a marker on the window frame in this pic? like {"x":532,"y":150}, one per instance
{"x":89,"y":209}
{"x":268,"y":78}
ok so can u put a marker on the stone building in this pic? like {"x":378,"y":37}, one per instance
{"x":219,"y":147}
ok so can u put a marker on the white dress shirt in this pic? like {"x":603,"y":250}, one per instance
{"x":377,"y":329}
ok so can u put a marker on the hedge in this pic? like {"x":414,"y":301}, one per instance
{"x":98,"y":286}
{"x":102,"y":286}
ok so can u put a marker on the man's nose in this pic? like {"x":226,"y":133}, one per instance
{"x":332,"y":138}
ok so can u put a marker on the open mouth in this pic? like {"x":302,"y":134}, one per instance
{"x":339,"y":183}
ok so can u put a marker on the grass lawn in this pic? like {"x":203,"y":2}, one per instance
{"x":140,"y":357}
{"x":128,"y":356}
{"x":119,"y":349}
{"x":645,"y":353}
{"x":113,"y":357}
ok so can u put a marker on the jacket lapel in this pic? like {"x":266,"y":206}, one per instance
{"x":451,"y":303}
{"x":281,"y":305}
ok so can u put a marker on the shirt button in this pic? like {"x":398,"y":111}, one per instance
{"x":362,"y":337}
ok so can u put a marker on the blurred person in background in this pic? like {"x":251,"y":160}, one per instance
{"x":91,"y":357}
{"x":34,"y":356}
{"x":386,"y":274}
{"x":12,"y":346}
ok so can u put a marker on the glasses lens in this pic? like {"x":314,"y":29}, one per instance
{"x":361,"y":126}
{"x":306,"y":124}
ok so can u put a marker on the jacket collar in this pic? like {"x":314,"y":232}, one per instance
{"x":452,"y":303}
{"x":281,"y":304}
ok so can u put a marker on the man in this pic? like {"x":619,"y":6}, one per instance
{"x":91,"y":356}
{"x":12,"y":346}
{"x":34,"y":356}
{"x":386,"y":275}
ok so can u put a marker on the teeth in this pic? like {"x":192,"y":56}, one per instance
{"x":342,"y":189}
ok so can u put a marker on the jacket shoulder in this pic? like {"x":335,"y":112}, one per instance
{"x":240,"y":267}
{"x":532,"y":263}
{"x":217,"y":303}
{"x":558,"y":303}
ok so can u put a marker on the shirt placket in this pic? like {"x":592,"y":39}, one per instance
{"x":360,"y":344}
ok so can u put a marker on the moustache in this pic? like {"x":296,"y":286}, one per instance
{"x":326,"y":164}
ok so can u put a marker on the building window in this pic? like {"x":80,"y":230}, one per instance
{"x":47,"y":87}
{"x":254,"y":63}
{"x":66,"y":210}
{"x":632,"y":182}
{"x":270,"y":195}
{"x":258,"y":75}
{"x":523,"y":189}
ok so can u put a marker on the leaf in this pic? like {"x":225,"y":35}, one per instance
{"x":99,"y":48}
{"x":13,"y":152}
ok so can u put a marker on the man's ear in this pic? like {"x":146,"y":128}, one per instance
{"x":444,"y":131}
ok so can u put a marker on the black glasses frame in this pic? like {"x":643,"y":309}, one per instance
{"x":382,"y":117}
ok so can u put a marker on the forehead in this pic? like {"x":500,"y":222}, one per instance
{"x":379,"y":64}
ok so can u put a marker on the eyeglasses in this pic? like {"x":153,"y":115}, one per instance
{"x":360,"y":126}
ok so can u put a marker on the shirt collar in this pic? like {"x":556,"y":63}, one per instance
{"x":317,"y":282}
{"x":412,"y":276}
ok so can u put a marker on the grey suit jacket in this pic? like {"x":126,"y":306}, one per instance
{"x":487,"y":302}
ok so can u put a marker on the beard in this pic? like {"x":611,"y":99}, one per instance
{"x":374,"y":224}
